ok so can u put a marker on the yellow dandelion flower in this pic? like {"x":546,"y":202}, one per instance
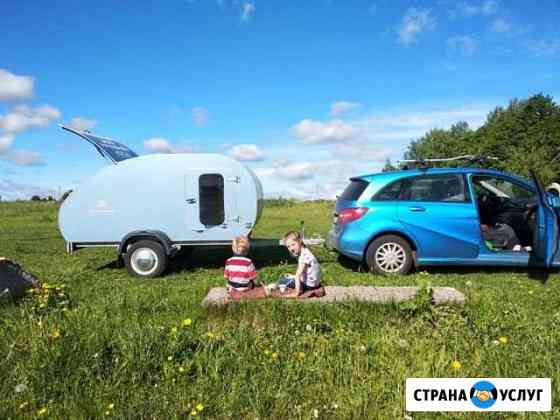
{"x":42,"y":411}
{"x":531,"y":292}
{"x":300,"y":355}
{"x":503,"y":339}
{"x":187,"y":322}
{"x":267,"y":352}
{"x":181,"y":369}
{"x":199,"y":407}
{"x":274,"y":356}
{"x":170,"y":358}
{"x":456,"y":365}
{"x":107,"y":413}
{"x":23,"y":405}
{"x":193,"y":412}
{"x":56,"y":333}
{"x":210,"y":334}
{"x":173,"y":330}
{"x":110,"y":406}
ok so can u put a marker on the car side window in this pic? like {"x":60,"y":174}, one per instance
{"x":211,"y":194}
{"x":500,"y":187}
{"x":391,"y":192}
{"x":440,"y":187}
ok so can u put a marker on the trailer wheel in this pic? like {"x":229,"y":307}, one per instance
{"x":145,"y":259}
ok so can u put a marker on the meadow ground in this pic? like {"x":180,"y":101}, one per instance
{"x":102,"y":344}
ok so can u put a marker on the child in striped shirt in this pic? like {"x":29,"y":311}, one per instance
{"x":240,"y":272}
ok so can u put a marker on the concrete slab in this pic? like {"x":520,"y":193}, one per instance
{"x":334,"y":294}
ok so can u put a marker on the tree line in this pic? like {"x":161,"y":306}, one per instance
{"x":524,"y":135}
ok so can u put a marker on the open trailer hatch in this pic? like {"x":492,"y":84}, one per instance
{"x":110,"y":149}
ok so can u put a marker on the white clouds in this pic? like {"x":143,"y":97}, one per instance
{"x":5,"y":143}
{"x":26,"y":158}
{"x":82,"y":124}
{"x":400,"y":127}
{"x":545,"y":48}
{"x":284,"y":170}
{"x":463,"y":44}
{"x":162,"y":145}
{"x":22,"y":157}
{"x":489,"y":7}
{"x":247,"y":10}
{"x":486,"y":8}
{"x":23,"y":117}
{"x":158,"y":145}
{"x":362,"y":151}
{"x":295,"y":171}
{"x":342,"y":106}
{"x":14,"y":87}
{"x":317,"y":132}
{"x":199,"y":116}
{"x":393,"y":126}
{"x":11,"y":190}
{"x":501,"y":25}
{"x":246,"y":152}
{"x":413,"y":23}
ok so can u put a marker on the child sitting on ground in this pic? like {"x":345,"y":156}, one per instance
{"x":308,"y":273}
{"x":240,"y":272}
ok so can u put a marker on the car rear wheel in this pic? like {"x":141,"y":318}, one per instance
{"x":145,"y":259}
{"x":389,"y":254}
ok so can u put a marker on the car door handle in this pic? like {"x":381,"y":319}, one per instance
{"x":416,"y":209}
{"x":198,"y":230}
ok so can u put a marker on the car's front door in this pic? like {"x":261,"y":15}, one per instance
{"x":545,"y":242}
{"x":437,"y":211}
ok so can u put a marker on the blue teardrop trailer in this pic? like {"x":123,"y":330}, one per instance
{"x":149,"y":207}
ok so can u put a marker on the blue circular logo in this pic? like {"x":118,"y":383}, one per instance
{"x":483,"y":394}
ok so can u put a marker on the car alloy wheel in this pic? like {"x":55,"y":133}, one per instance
{"x":390,"y":257}
{"x":389,"y":254}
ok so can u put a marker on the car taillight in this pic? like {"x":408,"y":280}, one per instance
{"x":349,"y":215}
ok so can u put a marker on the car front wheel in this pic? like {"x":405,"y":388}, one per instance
{"x":389,"y":254}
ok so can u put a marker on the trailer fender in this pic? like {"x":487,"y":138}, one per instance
{"x":154,"y":235}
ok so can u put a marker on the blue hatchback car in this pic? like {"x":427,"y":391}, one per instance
{"x":395,"y":221}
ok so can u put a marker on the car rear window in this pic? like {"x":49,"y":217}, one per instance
{"x":354,"y":190}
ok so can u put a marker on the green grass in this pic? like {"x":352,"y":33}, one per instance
{"x":104,"y":338}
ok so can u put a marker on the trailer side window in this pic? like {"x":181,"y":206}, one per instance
{"x":211,"y":195}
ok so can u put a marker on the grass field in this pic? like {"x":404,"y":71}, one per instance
{"x":102,"y":344}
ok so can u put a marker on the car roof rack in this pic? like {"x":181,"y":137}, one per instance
{"x":425,"y":163}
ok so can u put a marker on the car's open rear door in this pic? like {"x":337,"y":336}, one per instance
{"x":545,"y":236}
{"x":111,"y":150}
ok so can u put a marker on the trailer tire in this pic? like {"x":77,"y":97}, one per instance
{"x":145,"y":259}
{"x":389,"y":254}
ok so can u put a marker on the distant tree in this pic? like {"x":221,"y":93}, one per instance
{"x":50,"y":198}
{"x":35,"y":198}
{"x":439,"y":143}
{"x":388,"y":167}
{"x":523,"y":135}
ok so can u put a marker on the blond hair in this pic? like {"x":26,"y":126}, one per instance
{"x":293,"y":235}
{"x":240,"y":245}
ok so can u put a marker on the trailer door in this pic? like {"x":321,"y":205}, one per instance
{"x":211,"y":205}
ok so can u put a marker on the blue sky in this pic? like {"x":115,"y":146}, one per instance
{"x":305,"y":93}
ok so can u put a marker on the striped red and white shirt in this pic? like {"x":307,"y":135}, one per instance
{"x":239,"y":272}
